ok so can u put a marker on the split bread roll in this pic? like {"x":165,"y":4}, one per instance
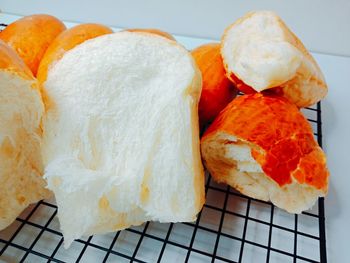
{"x":21,"y":110}
{"x":261,"y":53}
{"x":264,"y":147}
{"x":121,"y":141}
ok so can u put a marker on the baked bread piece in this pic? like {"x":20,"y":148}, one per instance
{"x":217,"y":89}
{"x":21,"y":110}
{"x":264,"y":147}
{"x":121,"y":139}
{"x":261,"y":53}
{"x":67,"y":40}
{"x":31,"y":35}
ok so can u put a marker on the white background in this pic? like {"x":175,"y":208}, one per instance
{"x":323,"y":25}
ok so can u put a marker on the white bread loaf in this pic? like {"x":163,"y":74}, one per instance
{"x":121,"y":139}
{"x":260,"y":51}
{"x":21,"y":110}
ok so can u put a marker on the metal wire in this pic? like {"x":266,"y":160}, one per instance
{"x":2,"y":26}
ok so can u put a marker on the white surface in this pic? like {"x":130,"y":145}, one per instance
{"x":336,"y":142}
{"x":323,"y":25}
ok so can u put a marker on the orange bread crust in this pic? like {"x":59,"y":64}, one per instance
{"x":246,"y":89}
{"x":30,"y":36}
{"x":282,"y":132}
{"x":10,"y":61}
{"x":217,"y":89}
{"x":152,"y":31}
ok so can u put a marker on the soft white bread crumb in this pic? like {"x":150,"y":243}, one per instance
{"x":261,"y":51}
{"x":229,"y":161}
{"x":21,"y":168}
{"x":121,"y":141}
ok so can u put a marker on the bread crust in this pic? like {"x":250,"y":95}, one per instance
{"x":198,"y":170}
{"x":10,"y":61}
{"x":152,"y":31}
{"x":30,"y":36}
{"x":217,"y":89}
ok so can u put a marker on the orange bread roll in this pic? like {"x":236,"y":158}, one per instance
{"x":30,"y":36}
{"x":66,"y":41}
{"x":152,"y":31}
{"x":264,"y":147}
{"x":217,"y":89}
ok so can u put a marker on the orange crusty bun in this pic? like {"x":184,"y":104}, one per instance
{"x":260,"y":52}
{"x":21,"y":110}
{"x":66,"y":41}
{"x":264,"y":147}
{"x":152,"y":31}
{"x":217,"y":89}
{"x":30,"y":36}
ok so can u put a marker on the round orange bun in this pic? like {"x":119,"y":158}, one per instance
{"x":66,"y":41}
{"x":217,"y":90}
{"x":30,"y":36}
{"x":264,"y":147}
{"x":152,"y":31}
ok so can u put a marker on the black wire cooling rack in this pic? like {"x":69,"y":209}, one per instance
{"x":230,"y":228}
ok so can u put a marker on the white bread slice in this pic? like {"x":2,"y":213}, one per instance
{"x":21,"y":110}
{"x":121,"y":140}
{"x":260,"y":51}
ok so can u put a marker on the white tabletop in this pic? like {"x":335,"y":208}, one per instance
{"x":336,"y":141}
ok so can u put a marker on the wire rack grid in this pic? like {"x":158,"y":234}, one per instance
{"x":230,"y":228}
